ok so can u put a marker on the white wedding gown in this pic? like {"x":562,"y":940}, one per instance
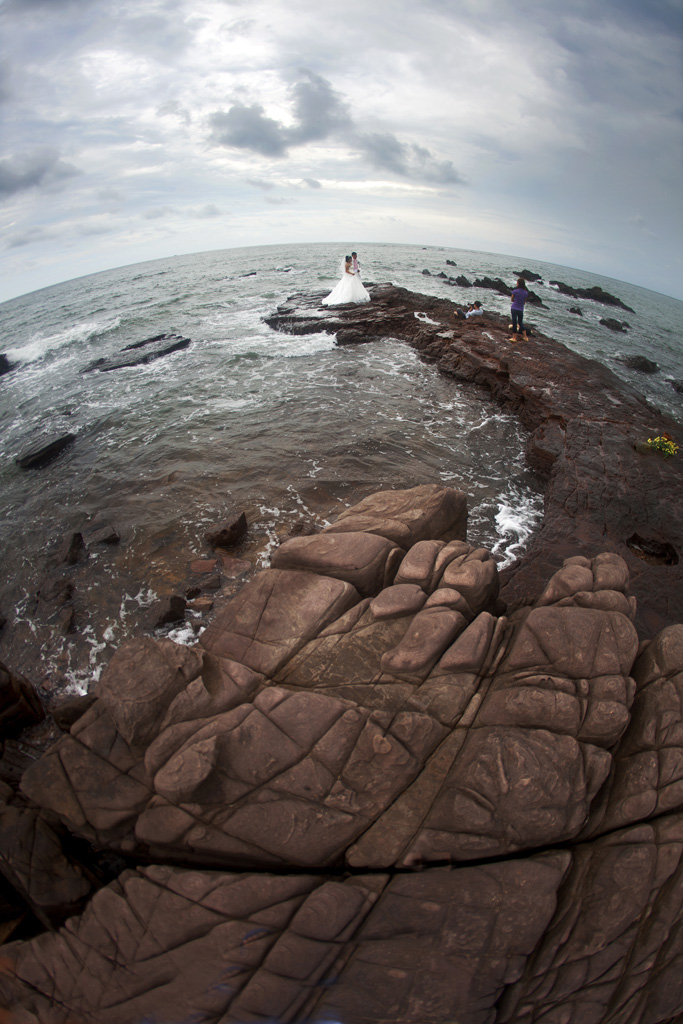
{"x":349,"y":289}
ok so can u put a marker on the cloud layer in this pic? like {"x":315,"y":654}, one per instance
{"x":133,"y":130}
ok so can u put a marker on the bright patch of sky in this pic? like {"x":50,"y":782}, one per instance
{"x":136,"y":129}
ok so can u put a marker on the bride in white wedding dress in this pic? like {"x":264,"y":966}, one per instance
{"x":349,"y":289}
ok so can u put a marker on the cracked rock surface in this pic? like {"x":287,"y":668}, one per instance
{"x":372,"y":793}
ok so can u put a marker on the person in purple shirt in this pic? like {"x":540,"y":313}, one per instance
{"x":519,"y":297}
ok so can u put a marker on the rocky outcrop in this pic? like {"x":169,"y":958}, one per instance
{"x":584,"y":425}
{"x":620,"y":326}
{"x":497,"y":285}
{"x":364,"y":707}
{"x":640,"y":363}
{"x":140,"y":352}
{"x":388,"y":784}
{"x":596,"y":294}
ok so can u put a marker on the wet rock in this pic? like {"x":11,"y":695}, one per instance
{"x":497,"y":285}
{"x":19,"y":703}
{"x":45,"y":451}
{"x":596,"y":294}
{"x":451,"y":263}
{"x":69,"y":711}
{"x":527,"y":275}
{"x":462,"y":281}
{"x":73,"y":550}
{"x":5,"y":365}
{"x":575,"y":309}
{"x":677,"y":385}
{"x":615,"y":325}
{"x":235,"y":567}
{"x":229,"y":534}
{"x":353,"y":337}
{"x":640,"y":363}
{"x":166,"y":611}
{"x":140,"y":353}
{"x":99,"y":531}
{"x":494,"y":284}
{"x":426,"y":273}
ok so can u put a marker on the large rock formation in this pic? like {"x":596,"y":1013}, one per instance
{"x":387,"y":785}
{"x":584,"y":424}
{"x":366,"y":707}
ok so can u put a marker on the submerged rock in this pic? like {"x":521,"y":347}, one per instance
{"x":45,"y":451}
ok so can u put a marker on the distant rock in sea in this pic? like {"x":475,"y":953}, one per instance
{"x":595,"y":293}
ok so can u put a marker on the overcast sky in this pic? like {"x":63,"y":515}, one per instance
{"x":136,"y":129}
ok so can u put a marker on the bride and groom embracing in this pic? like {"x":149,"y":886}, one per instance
{"x":349,"y":288}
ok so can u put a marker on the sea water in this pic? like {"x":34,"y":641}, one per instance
{"x":284,"y":428}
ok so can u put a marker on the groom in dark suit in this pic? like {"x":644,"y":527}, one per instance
{"x":356,"y":264}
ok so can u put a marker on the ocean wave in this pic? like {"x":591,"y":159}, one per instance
{"x":40,"y":346}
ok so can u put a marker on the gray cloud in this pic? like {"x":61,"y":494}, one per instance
{"x":247,"y":127}
{"x":321,"y":113}
{"x":174,"y":109}
{"x":210,"y":210}
{"x":40,"y":168}
{"x":156,"y":212}
{"x":312,"y":182}
{"x":318,"y":110}
{"x":260,"y":183}
{"x":27,"y":237}
{"x":385,"y":152}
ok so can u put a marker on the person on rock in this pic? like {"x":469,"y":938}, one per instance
{"x":474,"y":309}
{"x":519,"y":297}
{"x":356,"y":264}
{"x":349,"y":288}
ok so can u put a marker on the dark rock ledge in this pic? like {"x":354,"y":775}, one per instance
{"x":583,"y":423}
{"x":375,"y":792}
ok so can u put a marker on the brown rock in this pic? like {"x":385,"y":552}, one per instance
{"x":365,"y":560}
{"x":19,"y":703}
{"x":405,"y":517}
{"x":229,"y":534}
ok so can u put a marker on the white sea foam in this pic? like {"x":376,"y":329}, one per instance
{"x":516,"y":520}
{"x":39,"y":345}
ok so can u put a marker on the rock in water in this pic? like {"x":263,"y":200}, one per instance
{"x":229,"y":534}
{"x":41,"y":453}
{"x":640,"y":363}
{"x":141,"y":352}
{"x":615,"y":325}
